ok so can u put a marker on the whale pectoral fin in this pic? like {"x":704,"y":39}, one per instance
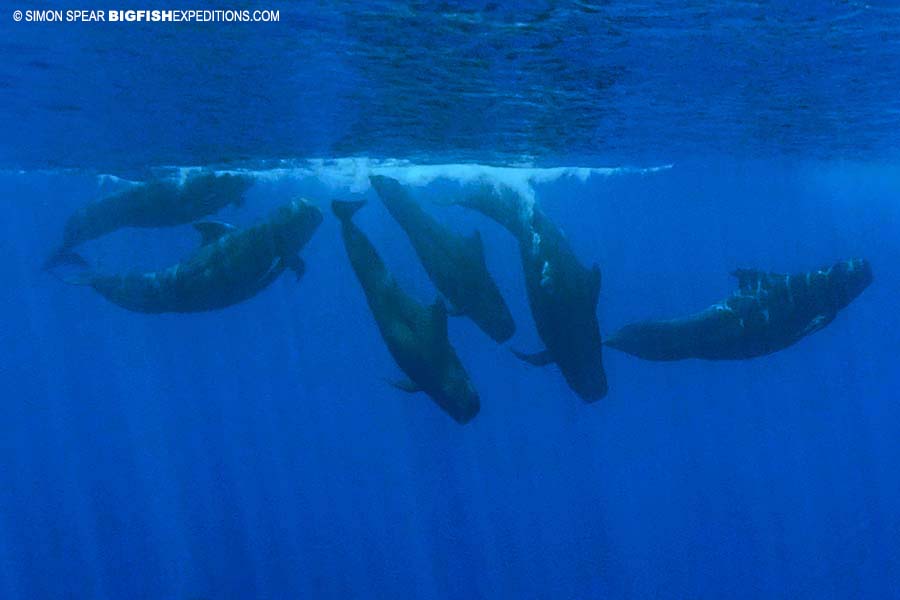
{"x":452,"y":309}
{"x":818,"y":322}
{"x":537,"y":359}
{"x":405,"y":385}
{"x":295,"y":264}
{"x":212,"y":231}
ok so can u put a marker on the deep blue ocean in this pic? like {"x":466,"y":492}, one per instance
{"x":258,"y":452}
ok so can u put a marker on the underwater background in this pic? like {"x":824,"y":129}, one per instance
{"x":257,"y":451}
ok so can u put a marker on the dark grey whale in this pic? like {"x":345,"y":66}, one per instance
{"x":416,"y":335}
{"x":161,"y":203}
{"x":454,"y":263}
{"x":232,"y":265}
{"x":768,"y":312}
{"x":562,"y":293}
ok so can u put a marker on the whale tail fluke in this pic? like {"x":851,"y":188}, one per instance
{"x":64,"y":258}
{"x":69,"y":267}
{"x":80,"y":278}
{"x":345,"y":209}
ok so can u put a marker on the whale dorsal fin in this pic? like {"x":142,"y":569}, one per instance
{"x":212,"y":231}
{"x":438,"y":316}
{"x":747,"y":278}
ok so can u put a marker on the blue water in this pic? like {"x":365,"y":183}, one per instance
{"x":257,"y":452}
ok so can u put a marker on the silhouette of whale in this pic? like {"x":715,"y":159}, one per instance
{"x":416,"y":335}
{"x":162,"y":203}
{"x":562,"y":293}
{"x":455,"y":264}
{"x":768,"y":312}
{"x":231,"y":265}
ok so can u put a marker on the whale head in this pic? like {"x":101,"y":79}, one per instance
{"x":848,"y":279}
{"x":458,"y":396}
{"x":293,"y":224}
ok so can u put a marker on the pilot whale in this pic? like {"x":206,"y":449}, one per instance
{"x":416,"y":335}
{"x":562,"y":293}
{"x":767,"y":313}
{"x":231,"y":265}
{"x":161,"y":203}
{"x":455,"y":264}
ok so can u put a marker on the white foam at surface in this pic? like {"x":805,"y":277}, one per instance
{"x":114,"y":181}
{"x":352,"y":174}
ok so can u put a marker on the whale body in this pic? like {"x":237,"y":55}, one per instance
{"x":454,"y":263}
{"x":562,"y":293}
{"x":161,"y":203}
{"x":231,"y":265}
{"x":416,"y":335}
{"x":767,"y":313}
